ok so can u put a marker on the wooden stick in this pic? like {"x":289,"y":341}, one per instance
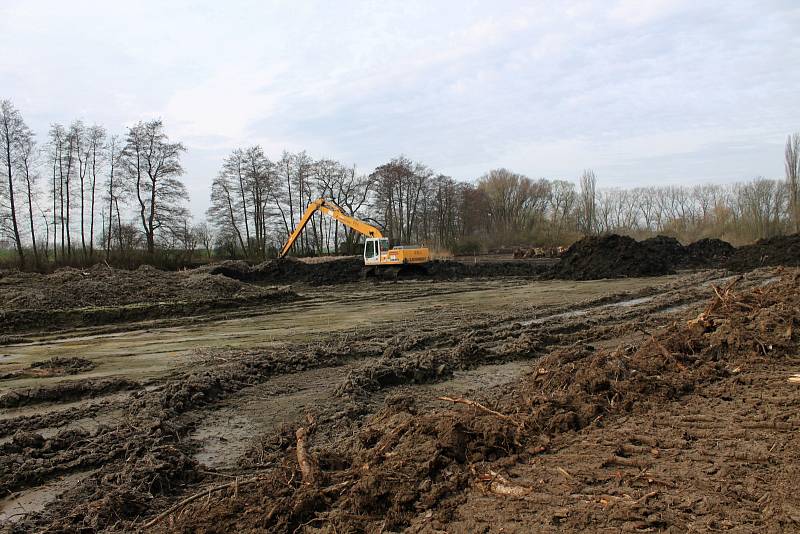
{"x":308,"y":466}
{"x":482,"y":408}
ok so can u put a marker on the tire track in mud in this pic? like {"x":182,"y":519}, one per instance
{"x":163,"y":420}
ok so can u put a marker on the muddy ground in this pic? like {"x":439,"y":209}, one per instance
{"x":71,"y":298}
{"x":573,"y":406}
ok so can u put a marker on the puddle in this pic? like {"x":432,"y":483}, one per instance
{"x":578,"y":313}
{"x":17,"y":505}
{"x":227,"y":434}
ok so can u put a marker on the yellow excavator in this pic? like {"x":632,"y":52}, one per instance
{"x":378,"y":255}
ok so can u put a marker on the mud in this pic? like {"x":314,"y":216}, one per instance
{"x":351,"y":269}
{"x":56,"y":366}
{"x":64,"y":391}
{"x":422,"y":470}
{"x":70,"y":298}
{"x":390,"y":454}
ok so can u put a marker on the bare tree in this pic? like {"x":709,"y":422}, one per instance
{"x":516,"y":204}
{"x":205,"y":236}
{"x":95,"y":152}
{"x":113,"y":190}
{"x":792,"y":163}
{"x":82,"y":154}
{"x":153,"y":164}
{"x":14,"y":135}
{"x":399,"y":186}
{"x":588,"y":201}
{"x":27,"y":166}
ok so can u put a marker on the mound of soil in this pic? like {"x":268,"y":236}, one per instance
{"x":778,"y":250}
{"x":64,"y":391}
{"x":616,"y":256}
{"x":236,"y":269}
{"x":666,"y":247}
{"x":64,"y":366}
{"x":101,"y":286}
{"x":709,"y":252}
{"x":291,"y":270}
{"x":350,"y":269}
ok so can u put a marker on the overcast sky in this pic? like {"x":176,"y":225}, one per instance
{"x":644,"y":92}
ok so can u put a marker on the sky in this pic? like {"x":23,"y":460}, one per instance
{"x":644,"y":92}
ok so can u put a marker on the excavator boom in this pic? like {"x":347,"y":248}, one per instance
{"x":377,"y":252}
{"x":329,"y":208}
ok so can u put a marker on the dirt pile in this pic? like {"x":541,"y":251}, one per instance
{"x":56,"y":366}
{"x":615,"y":256}
{"x":101,"y":295}
{"x":668,"y":248}
{"x":406,"y":467}
{"x":101,"y":286}
{"x":351,"y":269}
{"x":291,"y":270}
{"x":709,"y":252}
{"x":779,"y":250}
{"x":64,"y":366}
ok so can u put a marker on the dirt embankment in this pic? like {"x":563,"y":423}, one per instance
{"x":102,"y":295}
{"x":424,"y":470}
{"x":351,"y":269}
{"x":613,"y":256}
{"x":779,"y":250}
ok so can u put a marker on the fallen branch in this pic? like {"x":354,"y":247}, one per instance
{"x":172,"y":509}
{"x":498,"y":484}
{"x":308,"y":465}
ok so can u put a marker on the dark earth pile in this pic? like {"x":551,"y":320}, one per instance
{"x":668,"y":248}
{"x":291,"y":270}
{"x":351,"y":269}
{"x":779,"y":250}
{"x":615,"y":256}
{"x":709,"y":252}
{"x":71,"y":298}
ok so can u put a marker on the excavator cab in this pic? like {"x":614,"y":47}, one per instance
{"x":374,"y":248}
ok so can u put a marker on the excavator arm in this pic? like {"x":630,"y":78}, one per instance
{"x":332,"y":210}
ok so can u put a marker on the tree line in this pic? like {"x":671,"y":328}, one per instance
{"x":82,"y":196}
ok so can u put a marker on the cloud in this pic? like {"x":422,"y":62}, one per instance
{"x":644,"y":92}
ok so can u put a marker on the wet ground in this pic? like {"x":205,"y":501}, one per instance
{"x":152,"y":348}
{"x":222,"y":393}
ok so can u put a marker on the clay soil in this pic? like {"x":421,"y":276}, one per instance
{"x":484,"y":406}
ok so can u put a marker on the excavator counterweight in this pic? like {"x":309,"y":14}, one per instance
{"x":377,"y":252}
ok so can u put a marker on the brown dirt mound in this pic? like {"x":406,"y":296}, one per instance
{"x":65,"y":391}
{"x":615,"y":256}
{"x":779,"y":250}
{"x":65,"y":366}
{"x":101,"y":286}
